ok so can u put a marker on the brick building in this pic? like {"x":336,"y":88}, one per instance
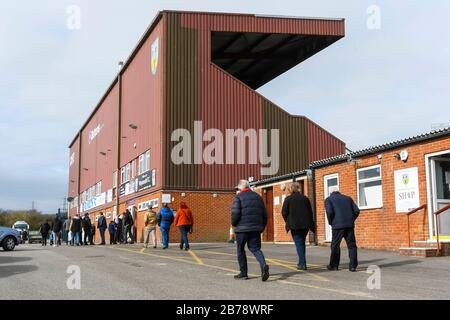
{"x":193,"y":72}
{"x":388,"y":182}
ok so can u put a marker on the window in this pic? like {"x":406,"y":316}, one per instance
{"x":127,"y":173}
{"x":370,"y":190}
{"x":144,"y":162}
{"x":98,"y":188}
{"x":115,"y":179}
{"x":133,"y":169}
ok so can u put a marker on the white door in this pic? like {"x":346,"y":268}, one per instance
{"x":440,"y":169}
{"x":330,"y":182}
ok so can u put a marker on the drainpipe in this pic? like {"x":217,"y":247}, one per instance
{"x":119,"y":137}
{"x":313,"y":182}
{"x":79,"y":174}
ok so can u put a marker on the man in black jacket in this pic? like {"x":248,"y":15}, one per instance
{"x":44,"y":229}
{"x":298,"y":215}
{"x":128,"y":223}
{"x":57,"y":227}
{"x":342,"y":213}
{"x":249,"y":219}
{"x":87,"y":228}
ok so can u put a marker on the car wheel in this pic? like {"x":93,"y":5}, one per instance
{"x":9,"y":244}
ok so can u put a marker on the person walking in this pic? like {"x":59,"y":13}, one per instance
{"x":150,"y":227}
{"x":165,"y":219}
{"x":44,"y":229}
{"x":118,"y":233}
{"x":57,"y":227}
{"x":128,"y":223}
{"x":249,"y":219}
{"x":93,"y":233}
{"x":87,"y":228}
{"x":298,"y":216}
{"x":66,"y":229}
{"x":184,"y":221}
{"x":75,"y":228}
{"x":342,"y":213}
{"x":112,"y":231}
{"x":102,"y":226}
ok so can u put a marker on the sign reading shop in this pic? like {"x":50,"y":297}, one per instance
{"x":407,"y":195}
{"x":142,"y":182}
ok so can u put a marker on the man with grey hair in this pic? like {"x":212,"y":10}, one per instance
{"x":249,"y":219}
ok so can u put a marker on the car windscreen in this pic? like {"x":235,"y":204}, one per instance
{"x":20,"y":226}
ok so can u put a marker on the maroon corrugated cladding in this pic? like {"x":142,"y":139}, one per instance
{"x":322,"y":144}
{"x":95,"y":143}
{"x":142,"y":104}
{"x":226,"y":103}
{"x":74,"y":156}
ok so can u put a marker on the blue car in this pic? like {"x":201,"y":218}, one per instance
{"x":9,"y":238}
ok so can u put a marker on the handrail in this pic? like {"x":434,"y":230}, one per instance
{"x":436,"y":214}
{"x":422,"y":207}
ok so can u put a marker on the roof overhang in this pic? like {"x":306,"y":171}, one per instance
{"x":257,"y":58}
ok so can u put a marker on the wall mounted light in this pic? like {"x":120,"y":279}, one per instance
{"x":214,"y":195}
{"x":85,"y":169}
{"x":133,"y":126}
{"x":72,"y":181}
{"x":102,"y":153}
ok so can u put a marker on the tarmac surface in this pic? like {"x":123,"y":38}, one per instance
{"x":206,"y":272}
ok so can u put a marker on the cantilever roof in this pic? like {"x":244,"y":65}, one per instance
{"x":383,"y":147}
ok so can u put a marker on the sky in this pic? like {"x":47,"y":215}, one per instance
{"x":387,"y":79}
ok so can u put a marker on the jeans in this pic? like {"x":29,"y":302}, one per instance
{"x":184,"y":236}
{"x":102,"y":235}
{"x":150,"y":231}
{"x":349,"y":235}
{"x":299,"y":237}
{"x":111,"y":237}
{"x":165,"y":235}
{"x":253,"y":242}
{"x":76,"y":238}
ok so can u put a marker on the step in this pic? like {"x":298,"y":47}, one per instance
{"x":425,"y":244}
{"x":418,"y":252}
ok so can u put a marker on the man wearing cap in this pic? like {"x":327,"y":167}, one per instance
{"x":249,"y":219}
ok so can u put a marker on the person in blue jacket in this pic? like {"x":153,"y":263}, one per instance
{"x":165,"y":219}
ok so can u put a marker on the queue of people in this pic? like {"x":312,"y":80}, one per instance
{"x":249,"y":219}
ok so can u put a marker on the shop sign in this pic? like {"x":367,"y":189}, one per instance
{"x":407,"y":196}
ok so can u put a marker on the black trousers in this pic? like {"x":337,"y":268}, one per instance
{"x":87,"y":236}
{"x":253,"y":242}
{"x":349,"y":235}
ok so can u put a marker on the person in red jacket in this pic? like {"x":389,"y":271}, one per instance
{"x":184,"y":221}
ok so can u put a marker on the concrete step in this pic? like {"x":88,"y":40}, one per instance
{"x":418,"y":252}
{"x":425,"y":244}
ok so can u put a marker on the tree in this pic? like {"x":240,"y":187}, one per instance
{"x":33,"y":217}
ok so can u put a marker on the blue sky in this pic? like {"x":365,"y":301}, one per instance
{"x":371,"y":87}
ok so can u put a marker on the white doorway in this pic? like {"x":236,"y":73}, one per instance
{"x":439,"y":193}
{"x":330,"y":182}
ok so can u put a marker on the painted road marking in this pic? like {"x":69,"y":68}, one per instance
{"x":273,"y":279}
{"x":315,"y":276}
{"x":196,"y":258}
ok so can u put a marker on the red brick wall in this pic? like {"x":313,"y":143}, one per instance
{"x":382,"y":228}
{"x":280,"y":234}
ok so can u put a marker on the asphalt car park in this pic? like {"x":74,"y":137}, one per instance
{"x":206,"y":272}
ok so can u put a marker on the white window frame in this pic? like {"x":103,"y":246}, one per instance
{"x":141,"y":164}
{"x":133,"y":169}
{"x":127,"y":172}
{"x":147,"y":160}
{"x":98,"y":188}
{"x":328,"y":233}
{"x":115,"y":179}
{"x":359,"y":181}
